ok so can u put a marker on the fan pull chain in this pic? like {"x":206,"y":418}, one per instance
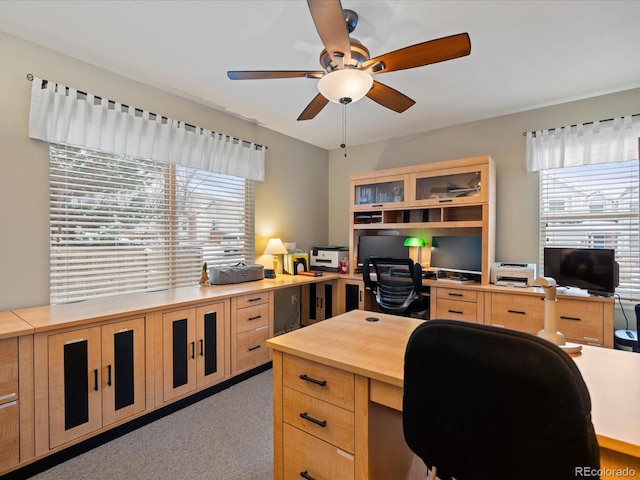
{"x":344,"y":101}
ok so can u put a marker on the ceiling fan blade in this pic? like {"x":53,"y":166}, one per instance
{"x":267,"y":74}
{"x":330,"y":23}
{"x":389,"y":97}
{"x":426,"y":53}
{"x":313,"y":108}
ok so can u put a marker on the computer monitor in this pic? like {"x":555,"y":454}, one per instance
{"x":381,"y":245}
{"x":461,"y":254}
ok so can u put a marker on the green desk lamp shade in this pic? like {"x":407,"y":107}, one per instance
{"x":415,"y":242}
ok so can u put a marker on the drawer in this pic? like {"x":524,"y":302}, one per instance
{"x":518,"y":312}
{"x":305,"y":454}
{"x":8,"y":369}
{"x":252,"y":348}
{"x":250,"y":318}
{"x":9,"y":440}
{"x":320,"y":381}
{"x":321,"y":419}
{"x":457,"y":294}
{"x":581,"y":321}
{"x":456,"y":310}
{"x":252,"y":299}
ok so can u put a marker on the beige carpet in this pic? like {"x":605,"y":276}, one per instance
{"x":228,"y":436}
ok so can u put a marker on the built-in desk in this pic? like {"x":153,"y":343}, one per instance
{"x":368,"y":358}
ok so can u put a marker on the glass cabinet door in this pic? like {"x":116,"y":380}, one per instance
{"x":459,"y":185}
{"x":367,"y":194}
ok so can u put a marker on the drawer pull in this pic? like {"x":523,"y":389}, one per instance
{"x":455,"y":294}
{"x":456,"y":311}
{"x":255,"y":317}
{"x":306,"y":475}
{"x":518,"y":312}
{"x":574,"y":319}
{"x":322,"y":423}
{"x":254,"y":348}
{"x":322,"y":383}
{"x":255,"y":299}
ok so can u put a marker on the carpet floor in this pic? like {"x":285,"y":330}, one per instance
{"x":227,"y":436}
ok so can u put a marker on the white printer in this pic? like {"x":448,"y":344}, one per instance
{"x":516,"y":274}
{"x":326,"y":258}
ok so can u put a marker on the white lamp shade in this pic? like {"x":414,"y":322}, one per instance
{"x":346,"y":83}
{"x":275,"y":247}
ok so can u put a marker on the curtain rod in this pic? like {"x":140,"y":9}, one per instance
{"x":30,"y":77}
{"x":524,"y":134}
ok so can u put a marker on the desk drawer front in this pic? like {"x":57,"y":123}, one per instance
{"x":250,"y":318}
{"x":252,"y":299}
{"x":457,"y":294}
{"x":518,"y":312}
{"x":326,"y":383}
{"x":308,"y":455}
{"x":455,"y":310}
{"x":581,"y":321}
{"x":321,"y":419}
{"x":252,"y":348}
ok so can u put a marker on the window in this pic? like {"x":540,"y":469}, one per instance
{"x":599,"y":210}
{"x":122,"y":224}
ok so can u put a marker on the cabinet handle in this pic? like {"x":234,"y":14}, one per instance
{"x":456,"y":311}
{"x":575,"y":319}
{"x":108,"y":375}
{"x":254,"y":348}
{"x":322,"y":423}
{"x":360,"y":295}
{"x":317,"y":302}
{"x":255,"y":299}
{"x":306,"y":475}
{"x":518,"y":312}
{"x":446,"y":200}
{"x":193,"y":350}
{"x":95,"y":379}
{"x":201,"y":347}
{"x":321,"y":303}
{"x":255,"y":318}
{"x":455,"y":294}
{"x":304,"y":377}
{"x":378,"y":205}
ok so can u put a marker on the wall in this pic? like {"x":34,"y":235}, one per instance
{"x":283,"y":207}
{"x":501,"y":138}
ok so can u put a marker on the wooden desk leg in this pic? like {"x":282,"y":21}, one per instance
{"x":361,"y":433}
{"x":278,"y":447}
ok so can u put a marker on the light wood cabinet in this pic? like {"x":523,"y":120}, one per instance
{"x":456,"y":304}
{"x":318,"y":412}
{"x":9,"y":404}
{"x":321,"y":301}
{"x":193,"y":348}
{"x":96,"y":377}
{"x":455,"y":197}
{"x":251,"y":326}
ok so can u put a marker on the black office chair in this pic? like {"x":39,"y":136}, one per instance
{"x":484,"y":402}
{"x":398,"y":285}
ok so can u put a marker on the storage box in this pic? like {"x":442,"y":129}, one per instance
{"x":235,"y":274}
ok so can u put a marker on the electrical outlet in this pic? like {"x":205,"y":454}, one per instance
{"x":294,"y":299}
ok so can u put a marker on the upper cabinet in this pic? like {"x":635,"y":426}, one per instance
{"x":455,"y":186}
{"x":391,"y":191}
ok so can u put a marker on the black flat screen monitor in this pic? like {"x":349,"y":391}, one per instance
{"x":461,"y":254}
{"x":592,"y":269}
{"x":381,"y":245}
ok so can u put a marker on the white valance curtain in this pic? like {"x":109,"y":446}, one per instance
{"x":606,"y":141}
{"x":61,"y":115}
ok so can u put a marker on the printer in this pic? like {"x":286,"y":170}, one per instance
{"x":515,"y":274}
{"x":326,"y":258}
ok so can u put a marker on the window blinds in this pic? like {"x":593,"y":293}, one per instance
{"x":594,"y":206}
{"x":124,"y":224}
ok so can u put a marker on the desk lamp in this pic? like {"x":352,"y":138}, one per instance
{"x":550,"y":331}
{"x":415,"y":242}
{"x":275,"y":247}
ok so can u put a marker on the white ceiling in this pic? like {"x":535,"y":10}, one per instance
{"x":524,"y":55}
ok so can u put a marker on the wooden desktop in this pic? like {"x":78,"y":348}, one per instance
{"x":362,"y":363}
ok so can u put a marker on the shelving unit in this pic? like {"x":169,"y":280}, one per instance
{"x":445,"y":198}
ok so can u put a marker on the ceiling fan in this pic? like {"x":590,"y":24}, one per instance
{"x":348,"y":68}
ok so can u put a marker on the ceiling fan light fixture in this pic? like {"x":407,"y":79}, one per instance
{"x":348,"y":83}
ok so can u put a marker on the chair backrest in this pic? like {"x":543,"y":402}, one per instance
{"x":398,"y":282}
{"x":486,"y":402}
